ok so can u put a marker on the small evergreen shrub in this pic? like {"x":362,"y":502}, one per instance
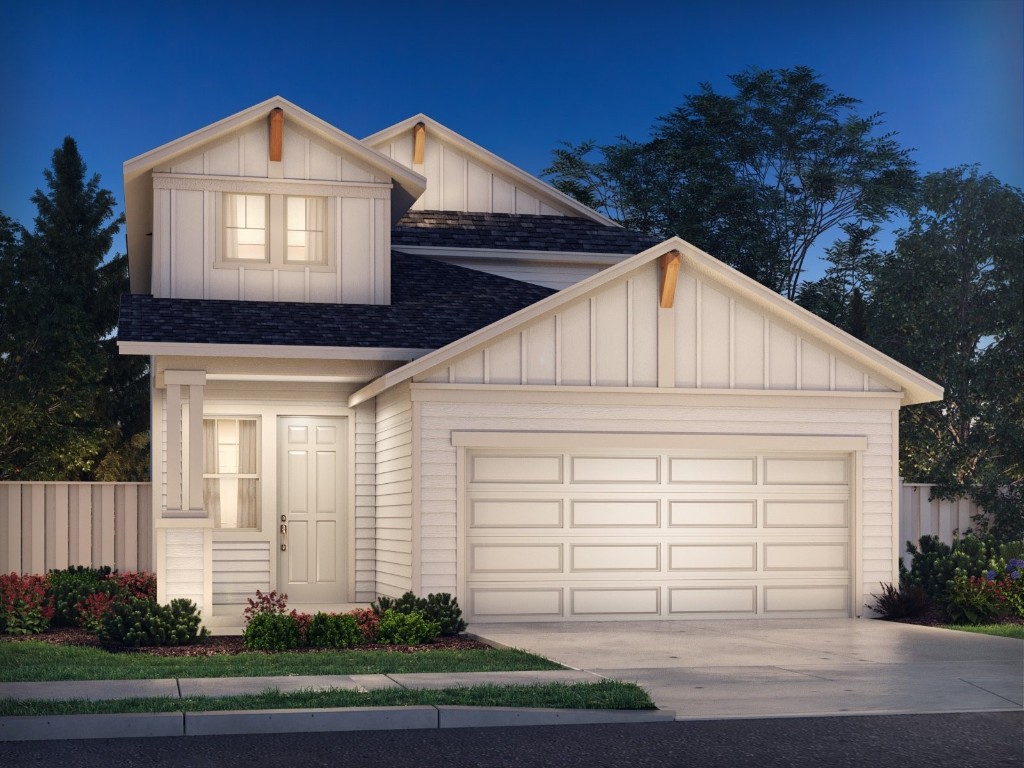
{"x":333,"y":630}
{"x":272,"y":632}
{"x":70,"y":587}
{"x":23,"y":605}
{"x":139,"y":622}
{"x":902,"y":602}
{"x":406,"y":629}
{"x":936,"y":564}
{"x":440,"y":608}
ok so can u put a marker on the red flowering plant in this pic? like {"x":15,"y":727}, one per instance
{"x":24,"y":609}
{"x":1009,"y":585}
{"x":270,"y":603}
{"x":367,"y":622}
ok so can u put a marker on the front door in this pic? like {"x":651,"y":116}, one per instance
{"x":312,"y":518}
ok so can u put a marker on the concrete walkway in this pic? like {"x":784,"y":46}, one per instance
{"x":717,"y":669}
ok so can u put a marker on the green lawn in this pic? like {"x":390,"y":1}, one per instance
{"x":607,"y":694}
{"x":30,"y":661}
{"x":999,"y":630}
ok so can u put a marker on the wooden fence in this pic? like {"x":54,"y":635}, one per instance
{"x":921,"y":516}
{"x":54,"y":525}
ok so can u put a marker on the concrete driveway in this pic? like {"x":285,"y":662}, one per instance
{"x":715,"y":669}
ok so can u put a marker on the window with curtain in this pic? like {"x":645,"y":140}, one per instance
{"x":245,"y":224}
{"x":231,"y":472}
{"x":305,"y":225}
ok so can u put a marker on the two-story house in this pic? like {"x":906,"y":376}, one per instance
{"x":402,"y":363}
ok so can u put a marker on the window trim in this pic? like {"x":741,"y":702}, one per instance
{"x":276,"y":234}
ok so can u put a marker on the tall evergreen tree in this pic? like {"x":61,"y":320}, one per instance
{"x":60,"y":378}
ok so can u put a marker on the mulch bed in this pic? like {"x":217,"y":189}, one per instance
{"x":229,"y":645}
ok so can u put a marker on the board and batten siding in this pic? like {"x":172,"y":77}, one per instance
{"x":438,"y":418}
{"x":611,"y":339}
{"x":394,"y":523}
{"x":187,"y":222}
{"x":458,"y":182}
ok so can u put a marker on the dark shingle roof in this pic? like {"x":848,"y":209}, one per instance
{"x":514,"y":231}
{"x":432,"y":305}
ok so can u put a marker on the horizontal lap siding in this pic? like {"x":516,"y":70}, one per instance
{"x":394,"y":493}
{"x":438,"y":461}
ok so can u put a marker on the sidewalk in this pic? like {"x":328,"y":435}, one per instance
{"x":45,"y":727}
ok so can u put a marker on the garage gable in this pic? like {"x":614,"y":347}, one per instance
{"x":671,"y":317}
{"x":620,"y":336}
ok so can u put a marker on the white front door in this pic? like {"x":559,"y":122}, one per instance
{"x":312,"y":519}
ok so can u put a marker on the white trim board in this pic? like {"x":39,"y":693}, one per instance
{"x":660,"y":441}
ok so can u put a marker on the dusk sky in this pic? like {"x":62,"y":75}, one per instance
{"x":517,"y":78}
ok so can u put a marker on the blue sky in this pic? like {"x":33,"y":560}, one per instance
{"x":123,"y":78}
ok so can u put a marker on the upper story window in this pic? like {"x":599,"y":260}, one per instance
{"x":245,"y":222}
{"x":275,"y":229}
{"x":305,"y":237}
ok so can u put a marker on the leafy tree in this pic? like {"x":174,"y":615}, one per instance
{"x":755,"y":178}
{"x":948,"y":303}
{"x":67,"y":402}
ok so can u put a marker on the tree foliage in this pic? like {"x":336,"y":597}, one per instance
{"x":949,"y":303}
{"x":69,"y":406}
{"x":755,"y":178}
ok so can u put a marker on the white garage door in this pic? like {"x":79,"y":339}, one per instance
{"x":578,"y":535}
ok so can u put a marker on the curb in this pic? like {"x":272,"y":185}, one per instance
{"x":241,"y":722}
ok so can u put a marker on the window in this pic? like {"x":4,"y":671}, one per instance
{"x":231,"y":472}
{"x":245,"y":221}
{"x":275,"y":229}
{"x":305,"y":244}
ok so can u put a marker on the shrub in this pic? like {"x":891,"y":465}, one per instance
{"x":142,"y":622}
{"x":406,"y":629}
{"x":367,"y":622}
{"x":333,"y":630}
{"x":92,"y":610}
{"x":1009,"y":585}
{"x":902,"y":602}
{"x":272,"y":632}
{"x":68,"y":588}
{"x":23,"y":604}
{"x":270,"y":603}
{"x":935,"y":564}
{"x":135,"y":584}
{"x":972,"y":600}
{"x":441,"y":608}
{"x":303,"y":621}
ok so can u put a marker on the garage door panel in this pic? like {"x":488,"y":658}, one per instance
{"x":802,"y":598}
{"x":615,"y":602}
{"x":806,"y":556}
{"x":615,"y":557}
{"x":516,"y":602}
{"x":615,"y":469}
{"x":615,"y":514}
{"x":516,"y":469}
{"x":713,"y":557}
{"x":516,"y":558}
{"x":709,"y":470}
{"x":806,"y":471}
{"x":740,"y":599}
{"x":806,"y":514}
{"x":515,"y":513}
{"x":713,"y":514}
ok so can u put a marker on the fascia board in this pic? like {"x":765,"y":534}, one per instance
{"x":491,"y":160}
{"x":269,"y":350}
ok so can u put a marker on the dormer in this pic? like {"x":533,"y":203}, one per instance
{"x":270,"y":204}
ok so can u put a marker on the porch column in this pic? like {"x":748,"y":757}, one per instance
{"x":184,"y":529}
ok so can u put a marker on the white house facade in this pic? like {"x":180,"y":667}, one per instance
{"x":402,"y":363}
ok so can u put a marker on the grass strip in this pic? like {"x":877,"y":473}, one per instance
{"x":999,"y":630}
{"x":32,"y":661}
{"x":606,"y":694}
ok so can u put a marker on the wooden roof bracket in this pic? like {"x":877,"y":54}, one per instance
{"x":669,"y":277}
{"x":276,"y":134}
{"x":419,"y":140}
